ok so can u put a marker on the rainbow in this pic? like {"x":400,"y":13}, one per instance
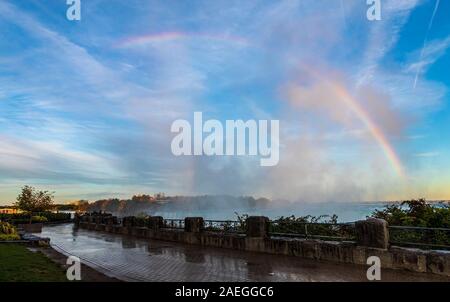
{"x":376,"y":132}
{"x":179,"y":36}
{"x":364,"y":116}
{"x":340,"y":90}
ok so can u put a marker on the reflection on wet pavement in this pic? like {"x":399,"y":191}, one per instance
{"x":133,"y":259}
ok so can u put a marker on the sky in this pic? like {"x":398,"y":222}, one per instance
{"x":86,"y":106}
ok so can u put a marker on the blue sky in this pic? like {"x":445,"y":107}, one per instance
{"x":86,"y":106}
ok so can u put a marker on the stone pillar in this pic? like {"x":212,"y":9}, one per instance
{"x":257,"y":226}
{"x":128,"y":221}
{"x":193,"y":224}
{"x":372,"y":232}
{"x":155,"y":222}
{"x":98,"y":219}
{"x":110,"y":220}
{"x":76,"y":219}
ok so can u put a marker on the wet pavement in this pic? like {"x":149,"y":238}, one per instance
{"x":132,"y":259}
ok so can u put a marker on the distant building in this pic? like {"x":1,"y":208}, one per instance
{"x":9,"y":211}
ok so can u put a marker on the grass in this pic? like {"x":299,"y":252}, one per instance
{"x":9,"y":237}
{"x":17,"y":264}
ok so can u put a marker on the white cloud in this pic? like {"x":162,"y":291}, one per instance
{"x":429,"y":54}
{"x":427,"y":154}
{"x":383,"y":35}
{"x":87,"y":117}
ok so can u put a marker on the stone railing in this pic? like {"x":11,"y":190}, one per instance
{"x":372,"y":239}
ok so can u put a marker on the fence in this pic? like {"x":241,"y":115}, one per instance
{"x":324,"y":231}
{"x":428,"y":238}
{"x":408,"y":236}
{"x":263,"y":235}
{"x":173,"y":223}
{"x":224,"y":226}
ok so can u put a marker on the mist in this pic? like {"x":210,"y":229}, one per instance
{"x":226,"y":207}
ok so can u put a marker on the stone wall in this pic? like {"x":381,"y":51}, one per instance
{"x":31,"y":227}
{"x":372,"y":239}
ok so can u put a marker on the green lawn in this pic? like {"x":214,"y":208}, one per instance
{"x":19,"y":264}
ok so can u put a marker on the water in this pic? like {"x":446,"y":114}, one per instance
{"x":346,"y":212}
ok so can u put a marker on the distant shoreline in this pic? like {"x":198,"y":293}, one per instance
{"x":6,"y":206}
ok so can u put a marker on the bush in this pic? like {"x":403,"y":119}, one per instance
{"x":55,"y":217}
{"x":8,"y":232}
{"x":323,"y":226}
{"x":9,"y":237}
{"x":24,"y":218}
{"x":418,"y":213}
{"x":7,"y":228}
{"x":141,"y":220}
{"x":39,"y":219}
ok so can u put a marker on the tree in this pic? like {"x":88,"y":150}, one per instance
{"x":33,"y":201}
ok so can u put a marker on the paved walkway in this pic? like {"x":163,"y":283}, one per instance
{"x":133,"y":259}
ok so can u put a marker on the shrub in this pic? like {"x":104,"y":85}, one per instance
{"x":9,"y":237}
{"x":7,"y":228}
{"x":39,"y":219}
{"x":23,"y":218}
{"x":8,"y":232}
{"x":417,"y":213}
{"x":141,"y":221}
{"x":323,"y":226}
{"x":55,"y":217}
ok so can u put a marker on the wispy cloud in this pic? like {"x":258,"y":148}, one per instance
{"x":429,"y":54}
{"x":383,"y":35}
{"x":430,"y":25}
{"x":87,"y":117}
{"x":427,"y":154}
